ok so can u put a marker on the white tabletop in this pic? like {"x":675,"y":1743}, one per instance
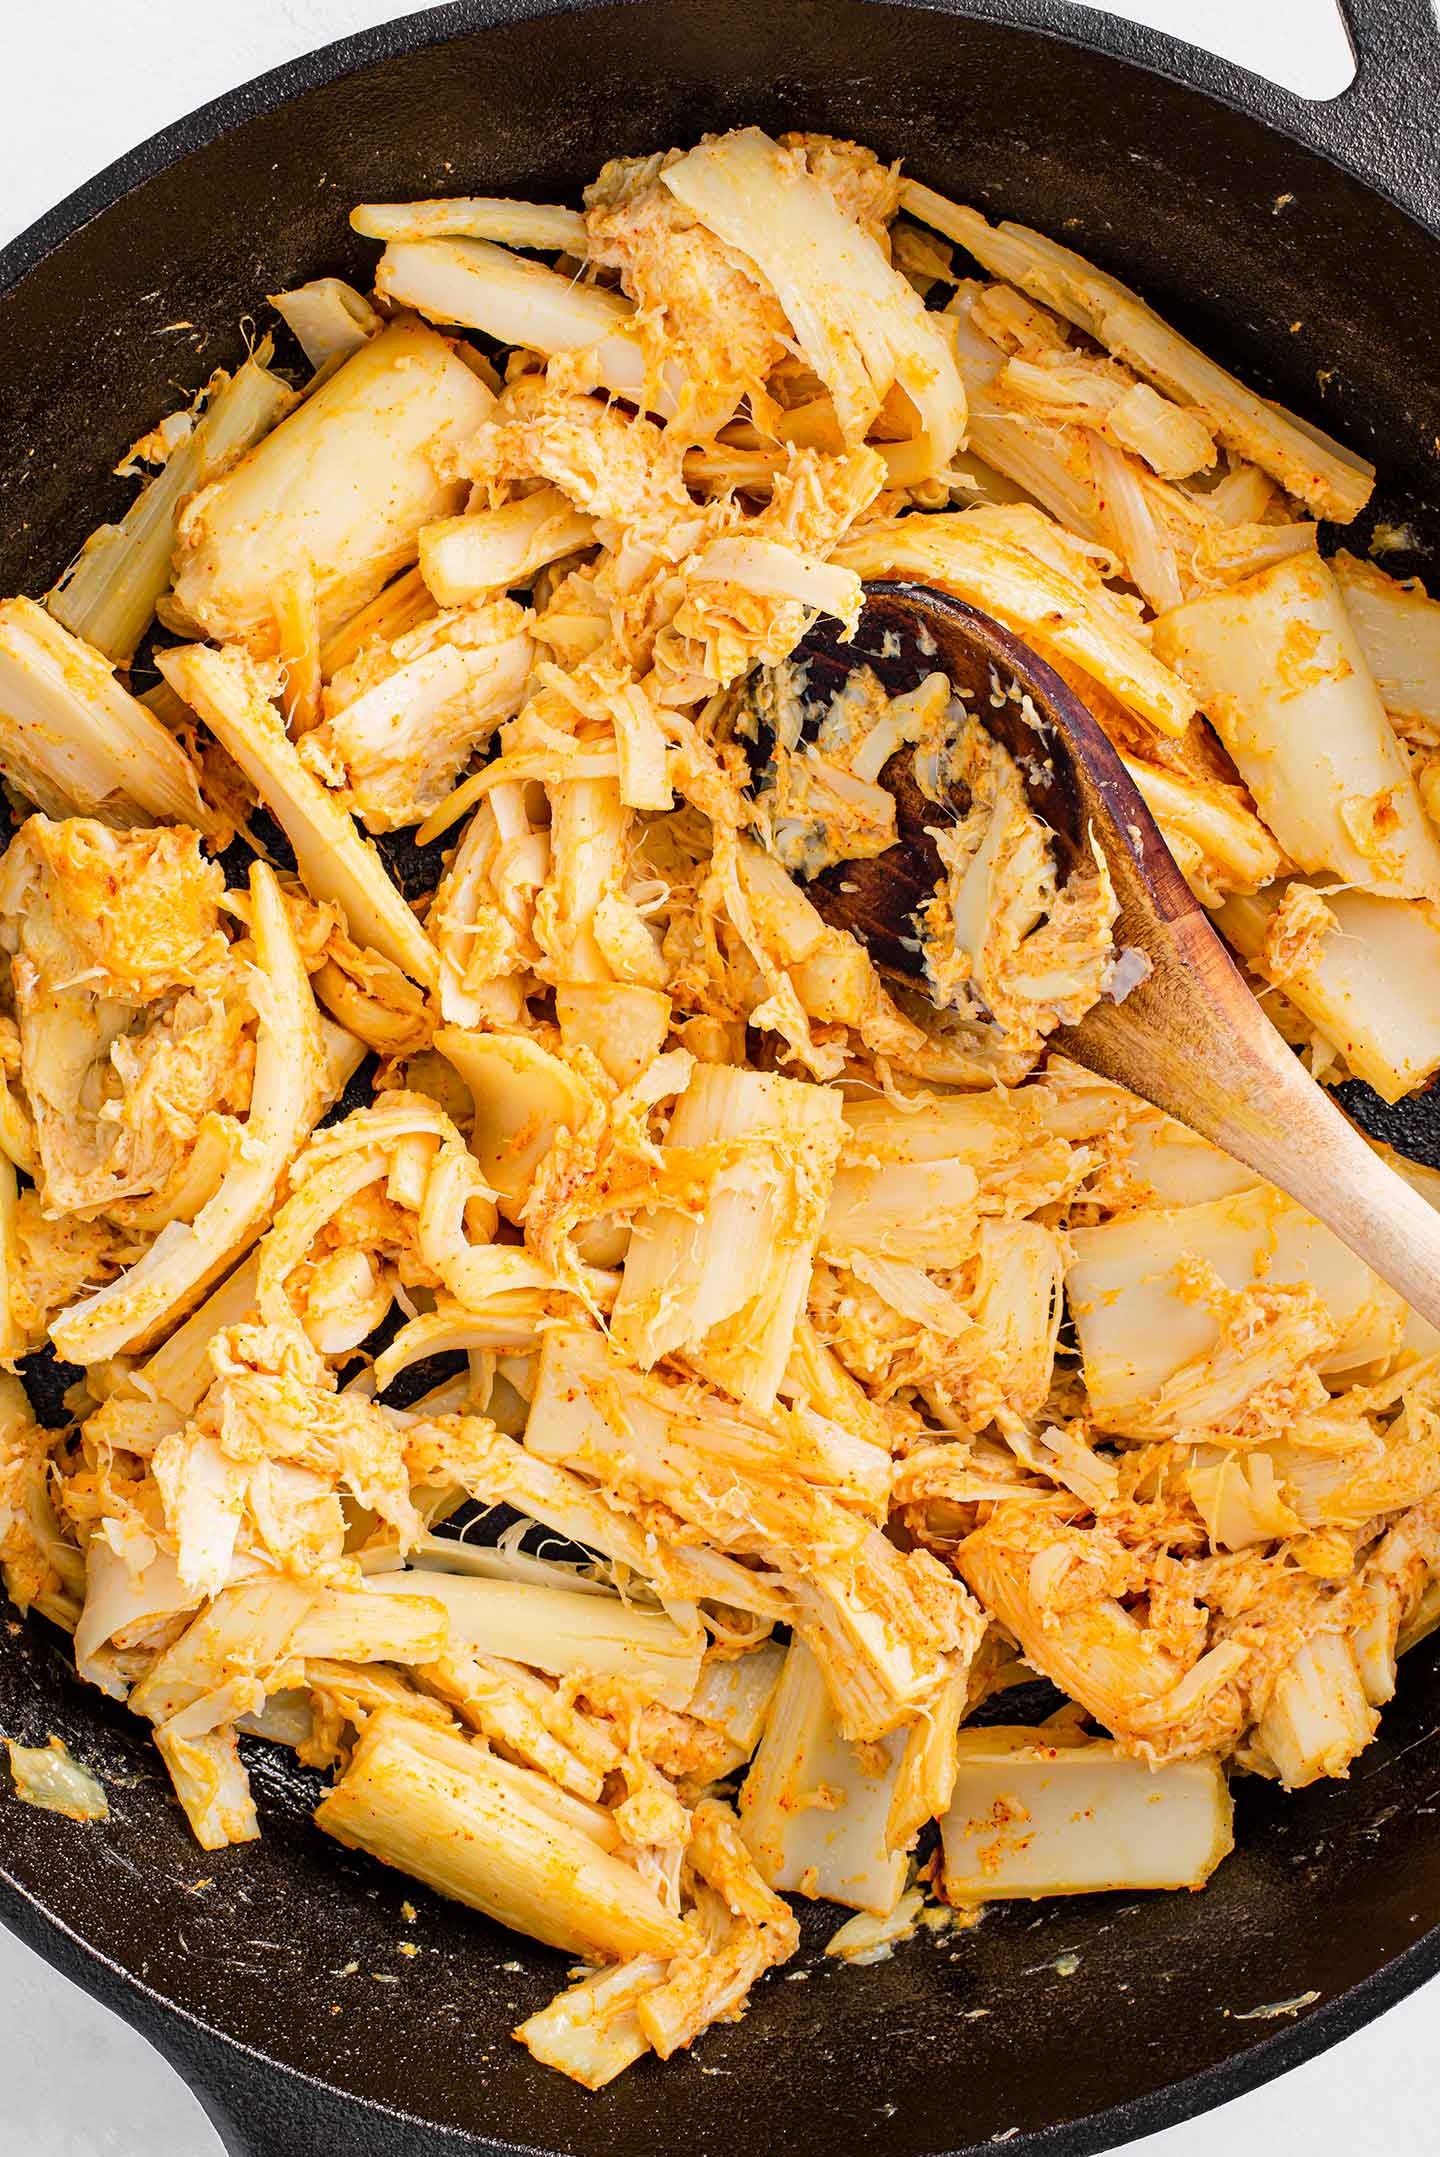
{"x":86,"y":80}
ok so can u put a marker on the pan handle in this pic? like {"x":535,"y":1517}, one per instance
{"x":1383,"y":128}
{"x":260,"y":2109}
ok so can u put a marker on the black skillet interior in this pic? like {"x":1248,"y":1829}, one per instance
{"x":273,"y":1974}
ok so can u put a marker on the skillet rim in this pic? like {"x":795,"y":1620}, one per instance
{"x":1334,"y":128}
{"x":214,"y":2063}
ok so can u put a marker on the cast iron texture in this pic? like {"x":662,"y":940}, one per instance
{"x":262,"y":1972}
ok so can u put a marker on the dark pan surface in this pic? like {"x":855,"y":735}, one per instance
{"x":1284,"y":266}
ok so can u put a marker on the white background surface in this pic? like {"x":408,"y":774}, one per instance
{"x":86,"y":79}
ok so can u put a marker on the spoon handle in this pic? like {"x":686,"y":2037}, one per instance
{"x":1191,"y":1037}
{"x":1192,"y":1040}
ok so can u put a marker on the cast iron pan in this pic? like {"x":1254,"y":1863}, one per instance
{"x":1290,"y":239}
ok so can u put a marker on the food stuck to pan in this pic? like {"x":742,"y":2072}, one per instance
{"x":613,"y":1369}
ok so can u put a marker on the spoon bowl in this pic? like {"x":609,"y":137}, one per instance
{"x":1190,"y":1037}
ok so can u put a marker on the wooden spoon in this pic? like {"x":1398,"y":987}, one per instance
{"x":1190,"y":1037}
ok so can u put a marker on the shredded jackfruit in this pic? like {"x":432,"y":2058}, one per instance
{"x":842,"y":1353}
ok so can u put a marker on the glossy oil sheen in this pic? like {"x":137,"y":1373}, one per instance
{"x":265,"y":1971}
